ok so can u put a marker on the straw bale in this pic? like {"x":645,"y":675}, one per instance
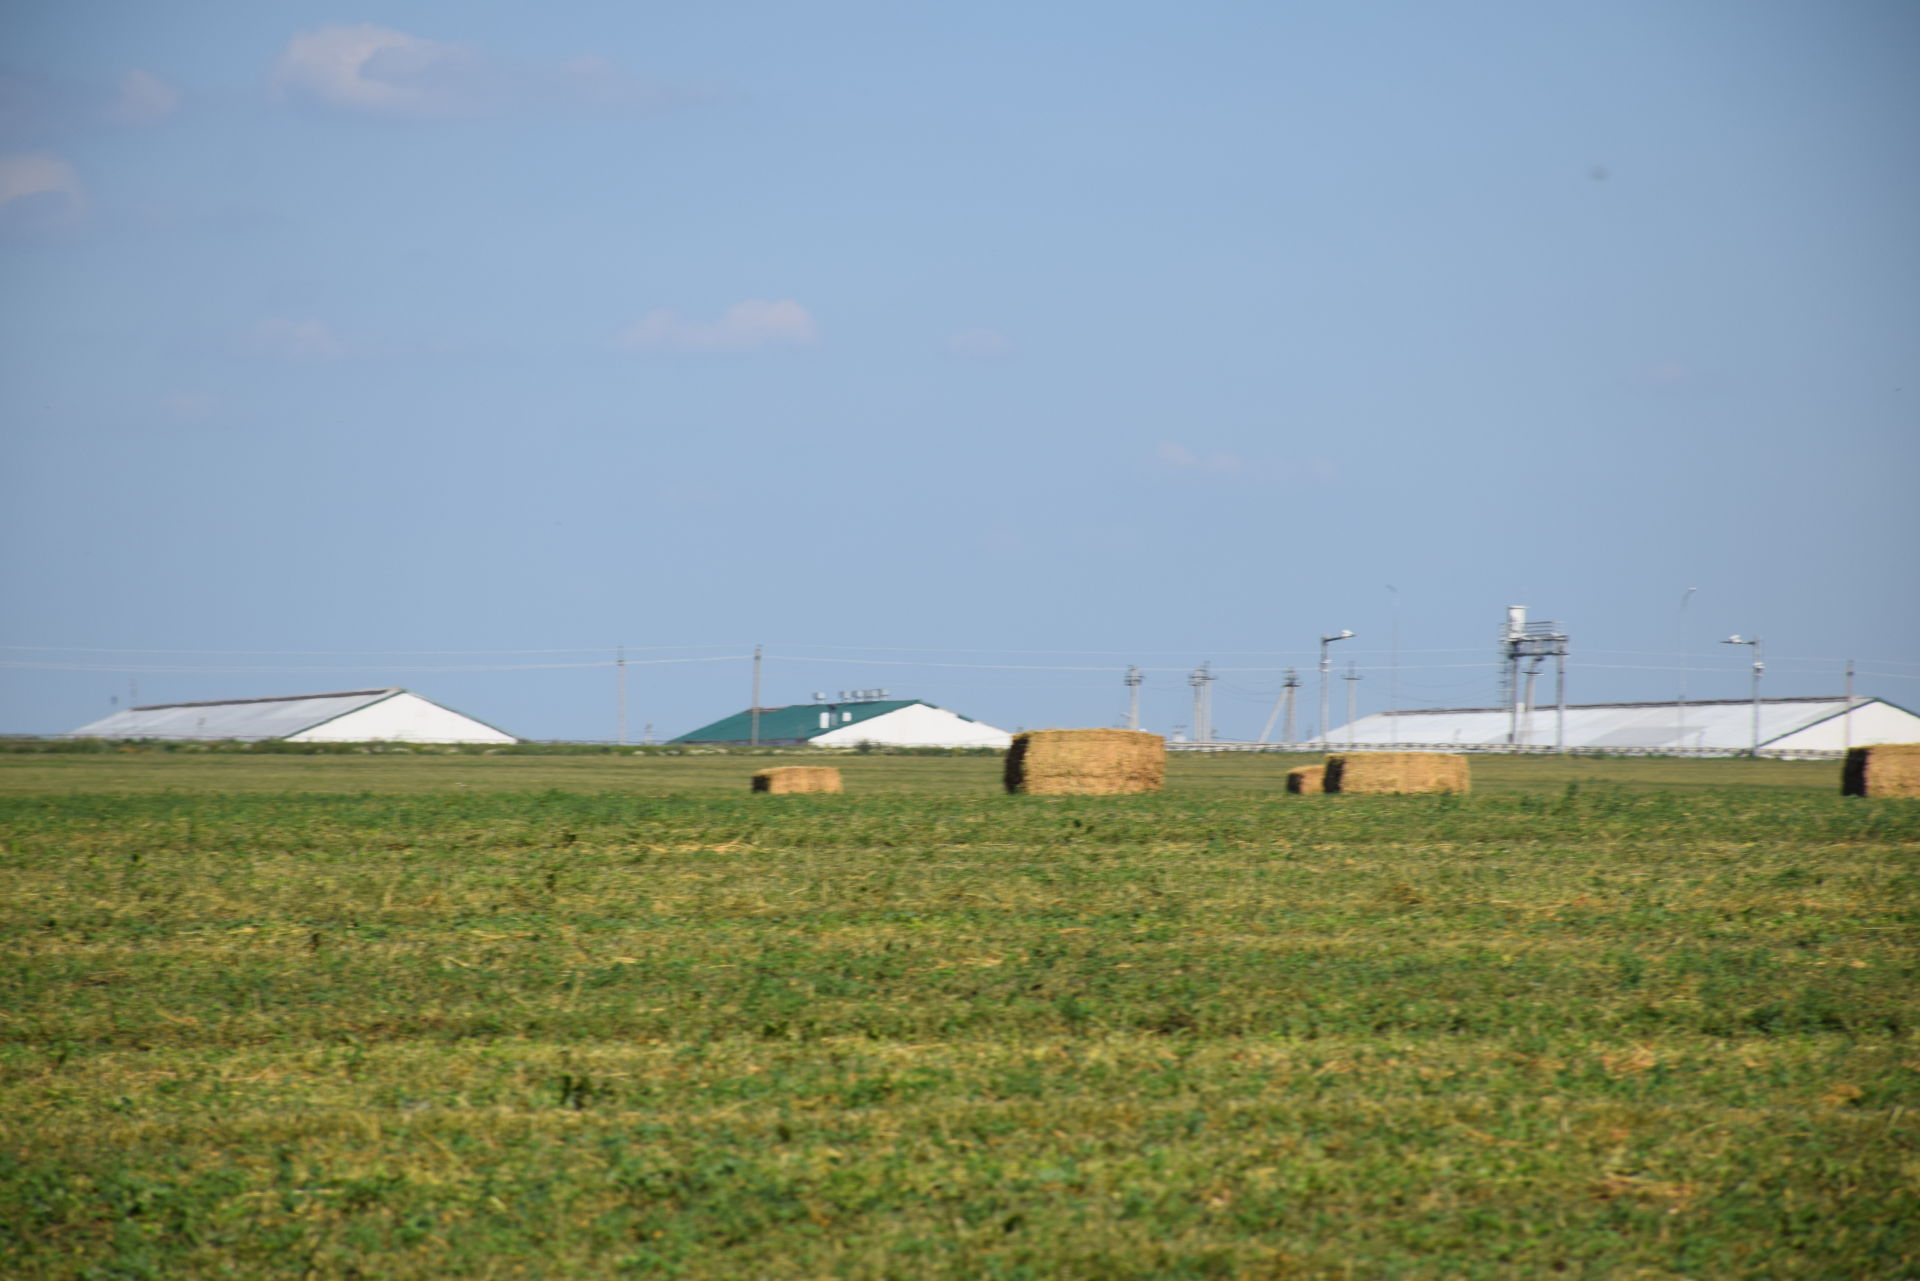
{"x":1889,"y":769}
{"x":1085,"y":762}
{"x":1307,"y":780}
{"x":1388,"y":772}
{"x":797,"y":778}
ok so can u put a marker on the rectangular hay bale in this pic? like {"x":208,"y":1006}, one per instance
{"x":1390,"y":773}
{"x":1085,"y":762}
{"x":1307,"y":780}
{"x":797,"y":778}
{"x":1886,"y":769}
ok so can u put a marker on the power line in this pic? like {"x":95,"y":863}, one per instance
{"x":924,"y":649}
{"x":263,"y":671}
{"x":578,"y":649}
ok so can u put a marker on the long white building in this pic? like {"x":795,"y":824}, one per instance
{"x":1718,"y":725}
{"x":347,"y":716}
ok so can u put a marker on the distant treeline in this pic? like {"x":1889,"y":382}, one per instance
{"x":26,"y":746}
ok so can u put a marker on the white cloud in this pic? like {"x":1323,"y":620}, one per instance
{"x":298,"y":339}
{"x":1174,"y":455}
{"x":745,"y":326}
{"x":369,"y":68}
{"x":39,"y":191}
{"x":144,"y":98}
{"x":979,"y":342}
{"x":381,"y":71}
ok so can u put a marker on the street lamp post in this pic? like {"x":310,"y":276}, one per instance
{"x":1759,"y":666}
{"x":1324,"y":666}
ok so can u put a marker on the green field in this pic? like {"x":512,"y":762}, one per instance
{"x":601,"y":1016}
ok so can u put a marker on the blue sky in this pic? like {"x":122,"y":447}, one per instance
{"x":351,"y":347}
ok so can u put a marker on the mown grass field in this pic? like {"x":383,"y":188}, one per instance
{"x":613,"y":1017}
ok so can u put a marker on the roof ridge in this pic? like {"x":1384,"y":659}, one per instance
{"x":276,"y":698}
{"x":1858,"y":699}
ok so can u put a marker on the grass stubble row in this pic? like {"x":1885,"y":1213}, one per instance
{"x":1607,"y":1033}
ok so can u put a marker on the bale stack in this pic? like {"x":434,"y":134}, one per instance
{"x":1890,"y":769}
{"x":1085,"y":762}
{"x":1307,"y":780}
{"x":1380,"y":773}
{"x":797,"y":778}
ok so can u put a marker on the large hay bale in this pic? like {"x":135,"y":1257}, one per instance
{"x":797,"y":778}
{"x":1381,"y":773}
{"x":1085,"y":762}
{"x":1307,"y":780}
{"x":1887,"y":769}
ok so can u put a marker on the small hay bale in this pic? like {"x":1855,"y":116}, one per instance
{"x":1383,"y":773}
{"x":1307,"y":780}
{"x":1085,"y":762}
{"x":797,"y":778}
{"x":1888,"y":769}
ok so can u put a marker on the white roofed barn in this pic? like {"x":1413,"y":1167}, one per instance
{"x":348,"y":716}
{"x":1708,"y":726}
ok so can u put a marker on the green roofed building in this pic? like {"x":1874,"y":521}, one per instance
{"x":888,"y":722}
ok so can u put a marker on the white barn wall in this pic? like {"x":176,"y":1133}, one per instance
{"x":916,"y":726}
{"x":404,"y":718}
{"x":1872,"y":723}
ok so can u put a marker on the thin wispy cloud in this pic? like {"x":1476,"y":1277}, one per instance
{"x":979,"y":342}
{"x":750,"y":325}
{"x":304,"y":340}
{"x":369,"y":68}
{"x":381,"y":71}
{"x":41,"y":110}
{"x":39,"y":192}
{"x":143,"y":98}
{"x":1220,"y":466}
{"x":1179,"y":456}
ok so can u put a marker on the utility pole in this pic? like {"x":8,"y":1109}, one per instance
{"x":1393,"y":673}
{"x":1759,"y":667}
{"x":1680,"y":700}
{"x":1325,"y":666}
{"x":1846,"y":717}
{"x":1266,"y":731}
{"x":754,"y":715}
{"x":1526,"y":726}
{"x":1560,"y":700}
{"x":1202,"y":679}
{"x":1282,"y":701}
{"x":1133,"y":679}
{"x":1353,"y":679}
{"x":620,"y":681}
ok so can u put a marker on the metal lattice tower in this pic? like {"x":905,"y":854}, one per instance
{"x":1524,"y":647}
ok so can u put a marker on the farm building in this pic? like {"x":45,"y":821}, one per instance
{"x":1719,"y":725}
{"x":885,"y":722}
{"x":349,"y":716}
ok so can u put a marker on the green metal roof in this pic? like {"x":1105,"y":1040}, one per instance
{"x":794,"y":724}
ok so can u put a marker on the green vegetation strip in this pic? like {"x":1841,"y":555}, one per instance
{"x":1608,"y":1029}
